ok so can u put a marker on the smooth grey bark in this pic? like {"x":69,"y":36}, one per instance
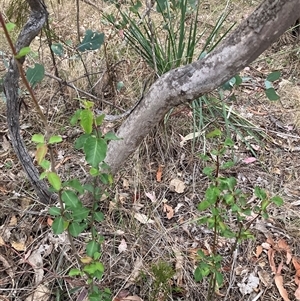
{"x":251,"y":38}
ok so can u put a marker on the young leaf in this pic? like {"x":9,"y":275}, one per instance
{"x":55,"y":139}
{"x":86,"y":121}
{"x":58,"y":225}
{"x":260,"y":193}
{"x":38,"y":138}
{"x":74,"y":272}
{"x":91,"y":41}
{"x":35,"y":75}
{"x":277,"y":200}
{"x":54,"y":180}
{"x":214,"y":133}
{"x":75,"y":117}
{"x":23,"y":52}
{"x":10,"y":26}
{"x":45,"y":164}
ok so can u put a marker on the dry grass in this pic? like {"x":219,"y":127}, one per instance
{"x":166,"y":242}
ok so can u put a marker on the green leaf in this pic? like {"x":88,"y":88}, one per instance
{"x":227,"y":165}
{"x":74,"y":183}
{"x":45,"y":164}
{"x":86,"y":121}
{"x":274,"y":76}
{"x":75,"y":228}
{"x":271,"y":94}
{"x":95,"y":150}
{"x":55,"y":139}
{"x":208,"y":170}
{"x":35,"y":75}
{"x":38,"y":138}
{"x":238,"y":80}
{"x":57,"y":49}
{"x":211,"y":194}
{"x":277,"y":200}
{"x":54,"y":180}
{"x":229,"y":142}
{"x":74,"y":272}
{"x":80,"y":141}
{"x":94,"y":172}
{"x":79,"y":214}
{"x":214,"y":133}
{"x":94,"y":267}
{"x":203,"y":205}
{"x":99,"y":216}
{"x":75,"y":117}
{"x":70,"y":199}
{"x":54,"y":211}
{"x":260,"y":193}
{"x":10,"y":26}
{"x":58,"y":225}
{"x":91,"y":41}
{"x":23,"y":52}
{"x":219,"y":278}
{"x":99,"y":119}
{"x":92,"y":247}
{"x":111,"y":136}
{"x":264,"y":204}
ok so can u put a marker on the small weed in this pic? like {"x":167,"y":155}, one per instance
{"x":223,"y":203}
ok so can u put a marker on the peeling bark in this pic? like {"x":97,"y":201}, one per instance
{"x":263,"y":27}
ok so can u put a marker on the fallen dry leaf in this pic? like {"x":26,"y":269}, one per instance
{"x":178,"y":267}
{"x":177,"y":186}
{"x":13,"y":221}
{"x":259,"y":250}
{"x":151,"y":196}
{"x":36,"y":261}
{"x":159,"y":173}
{"x":7,"y":268}
{"x":143,"y":219}
{"x":296,"y":265}
{"x":169,"y":210}
{"x":122,"y":246}
{"x":41,"y":293}
{"x":249,"y":284}
{"x":283,"y":246}
{"x":279,"y":283}
{"x":265,"y":278}
{"x":19,"y":246}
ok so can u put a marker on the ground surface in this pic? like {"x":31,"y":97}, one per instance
{"x":135,"y":253}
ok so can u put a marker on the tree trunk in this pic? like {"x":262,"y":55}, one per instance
{"x":263,"y":27}
{"x":11,"y":86}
